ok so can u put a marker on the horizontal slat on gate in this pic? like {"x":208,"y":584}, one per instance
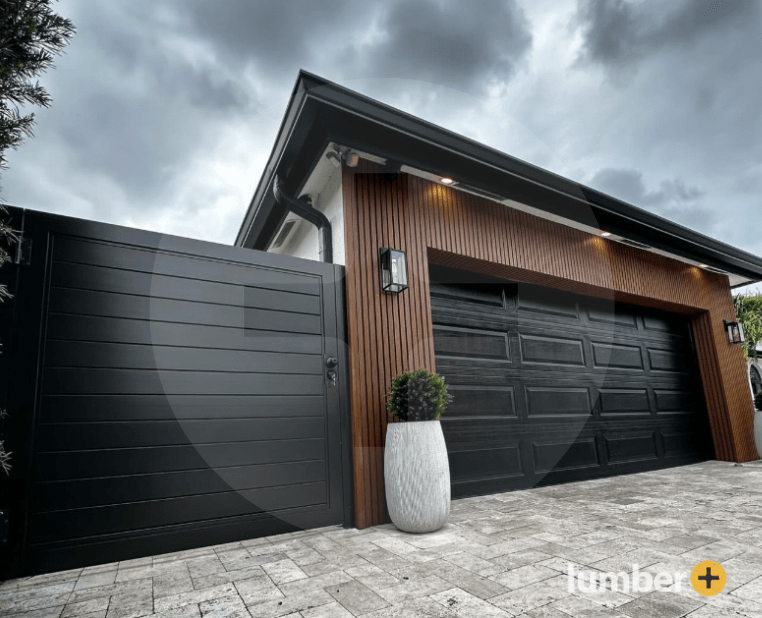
{"x":83,"y":523}
{"x":103,"y":279}
{"x":72,"y":494}
{"x":118,"y":330}
{"x":58,"y":381}
{"x":129,"y":434}
{"x":118,"y":462}
{"x":82,"y":302}
{"x":151,"y":261}
{"x":83,"y":408}
{"x":130,"y":356}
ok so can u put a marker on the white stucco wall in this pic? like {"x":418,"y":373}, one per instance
{"x":303,"y":241}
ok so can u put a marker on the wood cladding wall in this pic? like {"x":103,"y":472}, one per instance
{"x":391,"y":333}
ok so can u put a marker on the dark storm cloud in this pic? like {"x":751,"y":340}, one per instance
{"x":673,"y":199}
{"x":450,"y":43}
{"x":274,"y":36}
{"x":621,"y":33}
{"x":440,"y":41}
{"x":149,"y":84}
{"x":149,"y":109}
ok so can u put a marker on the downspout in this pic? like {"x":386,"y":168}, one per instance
{"x":303,"y":208}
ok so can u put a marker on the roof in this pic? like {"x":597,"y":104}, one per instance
{"x":321,"y":113}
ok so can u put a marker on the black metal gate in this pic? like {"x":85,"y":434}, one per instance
{"x":166,"y":393}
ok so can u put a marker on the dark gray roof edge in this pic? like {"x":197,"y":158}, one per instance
{"x":712,"y":251}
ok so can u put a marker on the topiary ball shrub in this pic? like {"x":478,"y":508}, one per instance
{"x":758,"y":400}
{"x":418,"y":396}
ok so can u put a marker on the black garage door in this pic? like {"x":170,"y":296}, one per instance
{"x":169,"y":393}
{"x":551,"y":387}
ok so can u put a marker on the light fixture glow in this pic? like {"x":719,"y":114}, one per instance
{"x":702,"y":265}
{"x":447,"y":181}
{"x":605,"y":234}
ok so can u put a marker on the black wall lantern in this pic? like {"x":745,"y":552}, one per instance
{"x":735,"y":332}
{"x":393,"y":269}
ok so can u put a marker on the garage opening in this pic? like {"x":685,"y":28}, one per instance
{"x":553,"y":387}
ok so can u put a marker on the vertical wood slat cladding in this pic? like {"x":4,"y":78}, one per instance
{"x":391,"y":333}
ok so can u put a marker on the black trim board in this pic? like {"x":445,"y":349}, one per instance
{"x":320,"y":112}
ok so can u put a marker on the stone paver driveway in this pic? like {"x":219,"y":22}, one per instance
{"x":501,"y":555}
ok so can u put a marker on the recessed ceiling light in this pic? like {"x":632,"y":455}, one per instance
{"x":447,"y":181}
{"x":702,"y":265}
{"x":606,"y":234}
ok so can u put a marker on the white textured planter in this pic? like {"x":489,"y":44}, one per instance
{"x":417,"y":476}
{"x":758,"y":431}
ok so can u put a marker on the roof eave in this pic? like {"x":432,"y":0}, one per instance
{"x":320,"y":112}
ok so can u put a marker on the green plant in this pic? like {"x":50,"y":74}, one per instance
{"x":749,"y":313}
{"x":418,"y":396}
{"x":758,"y":400}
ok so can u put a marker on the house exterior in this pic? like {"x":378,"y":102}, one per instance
{"x":581,"y":336}
{"x":165,"y":393}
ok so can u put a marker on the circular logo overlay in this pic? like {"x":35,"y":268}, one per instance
{"x":708,"y":577}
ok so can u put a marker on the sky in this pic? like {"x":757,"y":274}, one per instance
{"x":164,"y":113}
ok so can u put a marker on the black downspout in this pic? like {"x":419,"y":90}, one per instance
{"x":303,"y":208}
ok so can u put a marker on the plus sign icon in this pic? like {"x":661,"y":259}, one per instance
{"x":708,"y":577}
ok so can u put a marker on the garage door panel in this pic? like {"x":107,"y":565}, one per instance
{"x":680,"y":443}
{"x":551,"y":350}
{"x":607,"y":313}
{"x":624,"y":401}
{"x":555,"y":401}
{"x":469,"y":401}
{"x":674,"y":402}
{"x":673,"y":325}
{"x":467,"y":342}
{"x":465,"y":433}
{"x":547,"y":301}
{"x":619,"y":356}
{"x":475,"y":465}
{"x":491,"y":295}
{"x":638,"y":446}
{"x":663,"y":360}
{"x":469,"y":317}
{"x":598,"y":389}
{"x":564,"y":453}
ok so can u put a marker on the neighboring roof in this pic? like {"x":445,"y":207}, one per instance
{"x":321,"y":113}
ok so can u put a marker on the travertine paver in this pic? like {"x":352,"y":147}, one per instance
{"x":503,"y":555}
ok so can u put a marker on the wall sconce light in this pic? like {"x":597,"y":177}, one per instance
{"x":393,"y":264}
{"x":735,"y":332}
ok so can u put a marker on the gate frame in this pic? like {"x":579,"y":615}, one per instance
{"x":23,"y":330}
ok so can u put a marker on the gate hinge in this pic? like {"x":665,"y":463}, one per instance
{"x":23,"y":255}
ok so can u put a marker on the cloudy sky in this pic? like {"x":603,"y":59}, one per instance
{"x":164,"y":112}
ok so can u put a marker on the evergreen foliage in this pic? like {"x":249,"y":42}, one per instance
{"x":418,"y":396}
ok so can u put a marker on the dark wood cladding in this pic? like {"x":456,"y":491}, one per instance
{"x":391,"y":333}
